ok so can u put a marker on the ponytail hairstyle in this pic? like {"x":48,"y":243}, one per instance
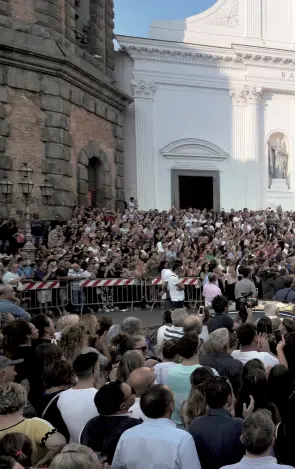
{"x":17,"y":446}
{"x":196,"y":404}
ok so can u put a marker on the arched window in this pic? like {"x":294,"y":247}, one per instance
{"x":278,"y":157}
{"x":93,"y":182}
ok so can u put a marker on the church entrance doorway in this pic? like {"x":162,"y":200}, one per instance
{"x":196,"y":189}
{"x":93,"y":181}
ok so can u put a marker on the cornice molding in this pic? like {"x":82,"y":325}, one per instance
{"x":239,"y":56}
{"x":66,"y":69}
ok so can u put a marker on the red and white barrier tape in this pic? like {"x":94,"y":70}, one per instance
{"x":111,"y":282}
{"x":108,"y":282}
{"x":41,"y":285}
{"x":185,"y":281}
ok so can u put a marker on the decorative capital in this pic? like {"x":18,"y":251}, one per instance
{"x":143,"y":89}
{"x":253,"y":94}
{"x":238,"y":96}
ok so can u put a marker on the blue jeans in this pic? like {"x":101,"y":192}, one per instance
{"x":77,"y":299}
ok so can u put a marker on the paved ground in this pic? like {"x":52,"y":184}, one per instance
{"x":149,"y":318}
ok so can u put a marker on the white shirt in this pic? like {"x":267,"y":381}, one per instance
{"x":77,"y":407}
{"x":161,"y":371}
{"x":155,"y":444}
{"x":8,"y":277}
{"x":159,"y":247}
{"x":266,"y":358}
{"x":165,"y":274}
{"x":136,"y":411}
{"x":175,"y":294}
{"x":173,"y":332}
{"x":160,"y":334}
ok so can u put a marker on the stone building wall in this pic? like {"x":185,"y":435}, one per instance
{"x":58,"y":104}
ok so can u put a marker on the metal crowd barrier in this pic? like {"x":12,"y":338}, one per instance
{"x":103,"y":295}
{"x":155,"y":295}
{"x":42,"y":297}
{"x":107,"y":294}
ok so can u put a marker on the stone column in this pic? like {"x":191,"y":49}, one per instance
{"x":144,"y":106}
{"x":238,"y":169}
{"x":254,"y":167}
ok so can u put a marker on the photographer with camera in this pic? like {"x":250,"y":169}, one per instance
{"x":268,"y":276}
{"x":245,"y":286}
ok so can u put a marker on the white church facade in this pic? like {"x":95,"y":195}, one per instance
{"x":212,"y":122}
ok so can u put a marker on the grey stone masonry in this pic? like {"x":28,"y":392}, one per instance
{"x":119,"y":160}
{"x":39,"y":54}
{"x":5,"y":161}
{"x":49,"y":14}
{"x":55,"y":104}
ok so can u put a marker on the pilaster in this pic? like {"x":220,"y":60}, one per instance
{"x":254,"y":165}
{"x":144,"y":92}
{"x":238,"y":161}
{"x":253,"y":18}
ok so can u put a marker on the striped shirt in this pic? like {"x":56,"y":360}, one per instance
{"x":173,"y":333}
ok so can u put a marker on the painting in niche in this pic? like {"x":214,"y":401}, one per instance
{"x":278,"y":157}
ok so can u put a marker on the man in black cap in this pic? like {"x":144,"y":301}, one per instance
{"x":7,"y":370}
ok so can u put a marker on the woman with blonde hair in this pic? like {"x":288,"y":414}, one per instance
{"x":67,"y":320}
{"x":92,"y":325}
{"x":75,"y":456}
{"x":129,"y":362}
{"x":196,"y":404}
{"x":75,"y":341}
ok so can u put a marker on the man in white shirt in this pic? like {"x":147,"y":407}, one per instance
{"x":77,"y":405}
{"x":157,"y":442}
{"x":253,"y":346}
{"x":140,"y":380}
{"x":11,"y":277}
{"x":176,"y":287}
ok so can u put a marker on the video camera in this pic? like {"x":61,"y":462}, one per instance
{"x":267,"y":274}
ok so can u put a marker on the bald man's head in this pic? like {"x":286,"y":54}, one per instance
{"x":141,"y":379}
{"x":192,"y":323}
{"x":6,"y":292}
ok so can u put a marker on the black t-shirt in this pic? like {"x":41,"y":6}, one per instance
{"x":37,"y":227}
{"x":220,"y":320}
{"x":102,"y":433}
{"x":62,"y":273}
{"x":52,"y":413}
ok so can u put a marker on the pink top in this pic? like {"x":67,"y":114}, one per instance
{"x":210,"y":290}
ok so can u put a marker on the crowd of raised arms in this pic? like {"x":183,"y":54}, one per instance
{"x":202,"y":391}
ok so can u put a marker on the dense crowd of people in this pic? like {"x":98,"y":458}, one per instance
{"x":196,"y":393}
{"x":203,"y":391}
{"x":142,"y":245}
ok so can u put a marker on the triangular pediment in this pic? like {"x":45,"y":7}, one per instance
{"x":193,"y":148}
{"x":268,"y":23}
{"x":223,"y":13}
